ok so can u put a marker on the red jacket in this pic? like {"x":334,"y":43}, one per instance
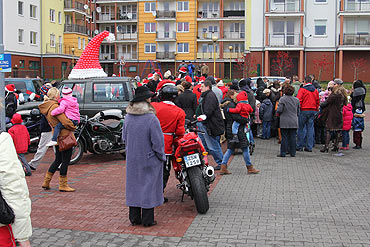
{"x":172,"y":120}
{"x":197,"y":91}
{"x":309,"y":98}
{"x":242,"y":108}
{"x":224,"y":90}
{"x":20,"y":135}
{"x":347,"y":117}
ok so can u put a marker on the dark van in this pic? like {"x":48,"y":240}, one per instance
{"x":26,"y":86}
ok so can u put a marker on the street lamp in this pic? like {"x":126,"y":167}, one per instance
{"x":230,"y":49}
{"x":73,"y":56}
{"x":214,"y":39}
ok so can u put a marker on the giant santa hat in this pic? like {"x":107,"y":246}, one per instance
{"x":88,"y":65}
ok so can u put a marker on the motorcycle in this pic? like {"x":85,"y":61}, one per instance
{"x":101,"y":134}
{"x":191,"y":167}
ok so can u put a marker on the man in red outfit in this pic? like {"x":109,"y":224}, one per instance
{"x":172,"y":120}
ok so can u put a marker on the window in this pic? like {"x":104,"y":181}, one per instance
{"x":320,"y":27}
{"x":20,"y":35}
{"x":52,"y":15}
{"x":20,"y":8}
{"x":107,"y":92}
{"x":362,"y":27}
{"x":34,"y":65}
{"x":183,"y":6}
{"x":183,"y":47}
{"x":149,"y":27}
{"x":132,"y":69}
{"x":52,"y":40}
{"x":149,"y":7}
{"x":59,"y":17}
{"x":33,"y":38}
{"x":33,"y":10}
{"x":21,"y":64}
{"x":149,"y":48}
{"x":69,"y":19}
{"x":83,"y":44}
{"x":183,"y":27}
{"x":79,"y":43}
{"x":278,"y":27}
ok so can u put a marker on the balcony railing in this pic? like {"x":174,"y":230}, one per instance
{"x":107,"y":56}
{"x":127,"y":56}
{"x":287,"y":6}
{"x":208,"y":35}
{"x":127,"y":16}
{"x":356,"y":6}
{"x":106,"y":17}
{"x":234,"y":35}
{"x":228,"y":55}
{"x":160,"y":14}
{"x":126,"y":36}
{"x":356,"y":39}
{"x":68,"y":4}
{"x":76,"y":29}
{"x":205,"y":14}
{"x":207,"y":55}
{"x":166,"y":35}
{"x":59,"y":48}
{"x":234,"y":13}
{"x":165,"y":55}
{"x":284,"y":39}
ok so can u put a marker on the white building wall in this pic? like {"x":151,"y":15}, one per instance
{"x":258,"y":25}
{"x":13,"y":22}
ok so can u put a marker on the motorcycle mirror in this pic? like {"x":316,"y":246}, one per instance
{"x":202,"y":118}
{"x":101,"y":114}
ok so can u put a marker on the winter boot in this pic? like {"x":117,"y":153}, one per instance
{"x":224,"y":170}
{"x":47,"y":179}
{"x":63,"y":186}
{"x":252,"y":170}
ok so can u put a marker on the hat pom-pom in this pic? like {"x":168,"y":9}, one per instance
{"x":111,"y":38}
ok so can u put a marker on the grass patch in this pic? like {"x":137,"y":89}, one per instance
{"x":348,"y":85}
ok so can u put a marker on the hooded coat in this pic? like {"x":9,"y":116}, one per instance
{"x":20,"y":135}
{"x":347,"y":117}
{"x":69,"y":106}
{"x":333,"y":111}
{"x":308,"y":98}
{"x":144,"y":141}
{"x":288,"y":111}
{"x":358,"y":98}
{"x":266,"y":110}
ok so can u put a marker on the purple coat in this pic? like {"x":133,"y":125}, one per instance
{"x":143,"y":136}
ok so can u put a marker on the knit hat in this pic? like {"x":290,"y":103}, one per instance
{"x":10,"y":88}
{"x":242,"y":96}
{"x":358,"y":111}
{"x":338,"y":81}
{"x":182,"y":70}
{"x":234,"y":87}
{"x":45,"y":88}
{"x":258,"y":102}
{"x":167,"y":74}
{"x":321,"y":93}
{"x":164,"y":83}
{"x":88,"y":65}
{"x":17,"y":119}
{"x":66,"y":91}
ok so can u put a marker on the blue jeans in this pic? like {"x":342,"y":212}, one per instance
{"x":58,"y":128}
{"x":345,"y":137}
{"x":306,"y":129}
{"x":26,"y":166}
{"x":288,"y":142}
{"x":230,"y":152}
{"x":213,"y":144}
{"x":251,"y":139}
{"x":235,"y":127}
{"x":266,"y":129}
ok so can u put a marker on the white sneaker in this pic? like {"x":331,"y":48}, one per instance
{"x":51,"y":143}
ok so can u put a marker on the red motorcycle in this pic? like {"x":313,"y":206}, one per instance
{"x":192,"y":170}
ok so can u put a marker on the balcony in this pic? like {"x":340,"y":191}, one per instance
{"x":128,"y":16}
{"x":233,"y":55}
{"x":107,"y":56}
{"x":106,"y":17}
{"x":74,"y":28}
{"x":79,"y":7}
{"x":160,"y":14}
{"x":165,"y":55}
{"x":166,"y":36}
{"x":286,"y":6}
{"x":234,"y":35}
{"x":208,"y":35}
{"x":234,"y":13}
{"x":126,"y":36}
{"x":58,"y":48}
{"x":359,"y":6}
{"x":356,"y":39}
{"x":207,"y":55}
{"x":127,"y":56}
{"x":204,"y":14}
{"x":284,"y":39}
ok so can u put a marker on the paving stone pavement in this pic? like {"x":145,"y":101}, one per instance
{"x":314,"y":199}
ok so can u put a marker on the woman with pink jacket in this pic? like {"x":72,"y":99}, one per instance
{"x":69,"y":106}
{"x":347,"y":123}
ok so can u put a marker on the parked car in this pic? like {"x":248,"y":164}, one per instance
{"x":26,"y":86}
{"x":270,"y":78}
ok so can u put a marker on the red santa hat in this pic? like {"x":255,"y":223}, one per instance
{"x":10,"y":88}
{"x":202,"y":79}
{"x":88,"y":65}
{"x":188,"y":79}
{"x":164,"y":83}
{"x":182,"y":70}
{"x":150,"y":76}
{"x":145,"y":81}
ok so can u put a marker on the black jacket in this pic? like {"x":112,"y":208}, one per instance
{"x":188,"y":102}
{"x":229,"y":119}
{"x":209,"y":106}
{"x":10,"y":105}
{"x":44,"y":125}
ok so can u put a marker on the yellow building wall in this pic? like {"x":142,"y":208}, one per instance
{"x":248,"y":23}
{"x":71,"y":40}
{"x":144,"y":38}
{"x":49,"y":27}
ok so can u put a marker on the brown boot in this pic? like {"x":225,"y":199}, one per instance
{"x":47,"y":179}
{"x":252,"y":170}
{"x":224,"y":170}
{"x":63,"y":186}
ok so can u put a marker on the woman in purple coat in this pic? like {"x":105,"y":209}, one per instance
{"x":144,"y":159}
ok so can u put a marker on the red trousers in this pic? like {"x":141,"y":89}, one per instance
{"x":6,"y":237}
{"x":357,"y":138}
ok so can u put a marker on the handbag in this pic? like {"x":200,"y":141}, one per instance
{"x":67,"y":142}
{"x":6,"y":213}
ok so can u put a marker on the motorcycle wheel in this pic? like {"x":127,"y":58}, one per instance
{"x":198,"y":188}
{"x":77,"y":152}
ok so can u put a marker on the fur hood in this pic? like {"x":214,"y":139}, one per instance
{"x":140,"y":108}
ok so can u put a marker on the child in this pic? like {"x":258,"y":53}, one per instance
{"x":69,"y":106}
{"x":347,"y":122}
{"x":266,"y":114}
{"x":21,"y":139}
{"x":257,"y":119}
{"x":243,"y":109}
{"x":358,"y":125}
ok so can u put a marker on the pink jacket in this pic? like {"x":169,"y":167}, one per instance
{"x":69,"y":106}
{"x":347,"y":117}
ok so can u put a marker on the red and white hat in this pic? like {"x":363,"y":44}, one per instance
{"x":10,"y":88}
{"x":66,"y":91}
{"x":150,"y":76}
{"x":182,"y":70}
{"x":88,"y":65}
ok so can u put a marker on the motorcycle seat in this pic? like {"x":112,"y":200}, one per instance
{"x":111,"y":123}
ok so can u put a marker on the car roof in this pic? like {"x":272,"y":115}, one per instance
{"x":21,"y":79}
{"x":102,"y":79}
